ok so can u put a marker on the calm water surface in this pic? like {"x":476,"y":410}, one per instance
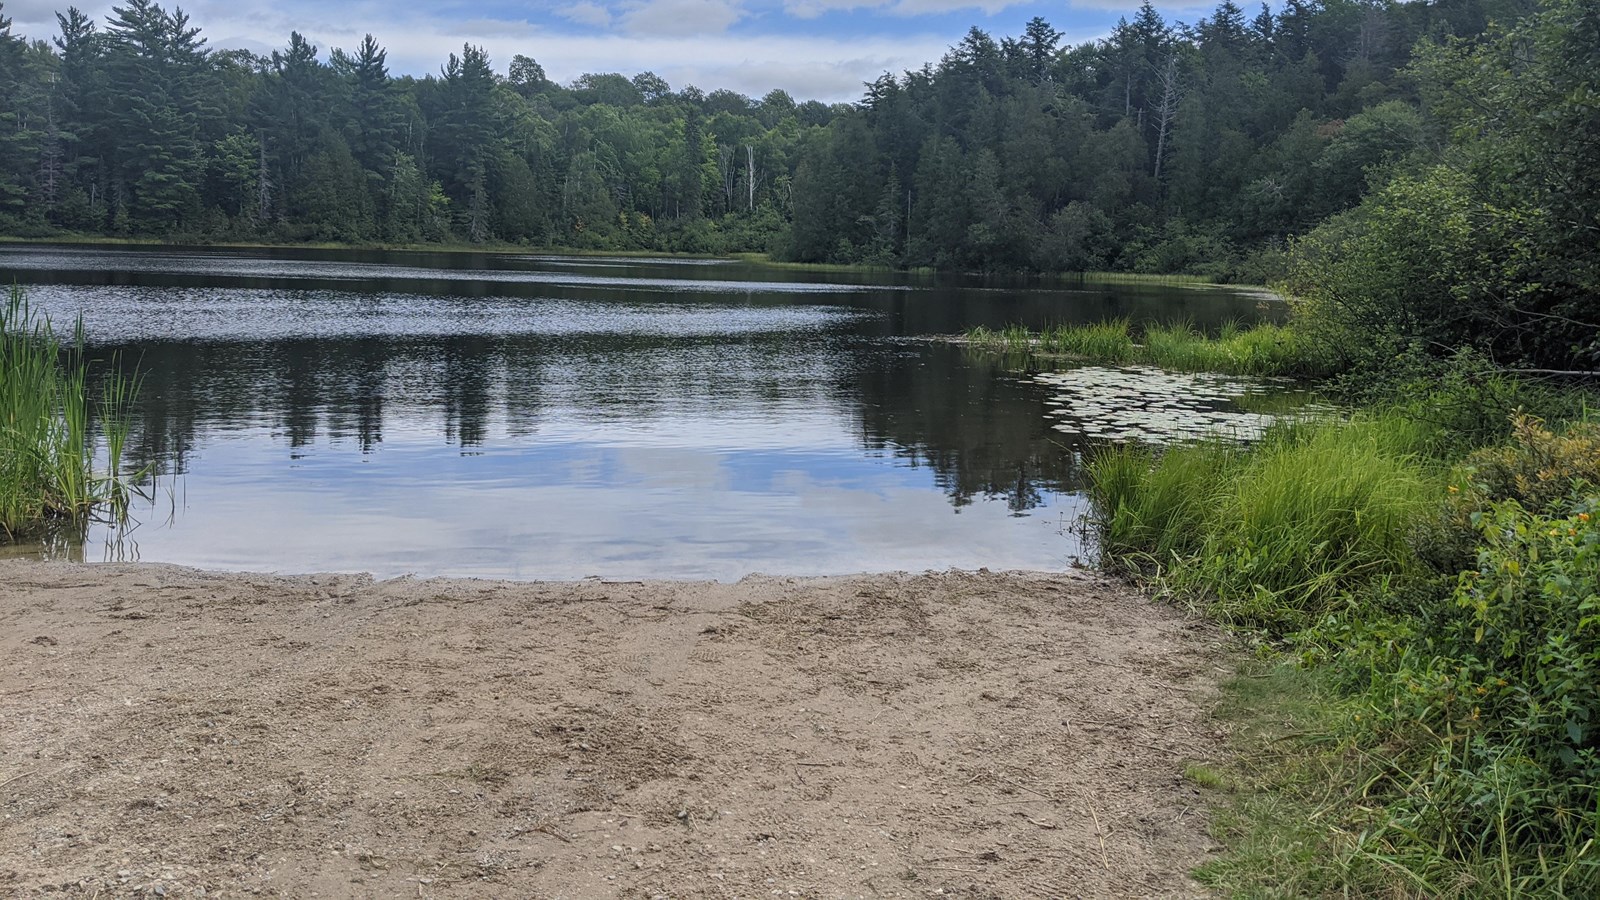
{"x":532,"y":416}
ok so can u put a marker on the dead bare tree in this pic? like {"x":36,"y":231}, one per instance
{"x":263,"y":182}
{"x":1167,"y":109}
{"x":726,"y":168}
{"x":750,"y":173}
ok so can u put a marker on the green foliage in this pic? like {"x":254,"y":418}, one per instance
{"x":1149,"y":504}
{"x":1469,"y":401}
{"x":1445,"y":739}
{"x":1158,"y":150}
{"x":48,"y":466}
{"x":1435,"y":566}
{"x":1161,"y":149}
{"x":1483,"y":709}
{"x":1491,"y":247}
{"x":142,"y":130}
{"x":1536,"y":467}
{"x":1265,"y":349}
{"x":1290,"y":825}
{"x":1539,"y":466}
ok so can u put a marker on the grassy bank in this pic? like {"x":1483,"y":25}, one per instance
{"x":765,"y":259}
{"x":53,"y":470}
{"x":1071,"y":278}
{"x":1426,"y":717}
{"x":1265,"y":349}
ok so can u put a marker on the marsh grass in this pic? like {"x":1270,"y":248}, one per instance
{"x":1262,"y":350}
{"x":52,"y":467}
{"x":1269,"y":536}
{"x":1134,"y":278}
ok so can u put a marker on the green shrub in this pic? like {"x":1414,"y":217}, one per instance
{"x":1468,"y":399}
{"x":1489,"y":716}
{"x":1540,"y":466}
{"x":1537,"y":467}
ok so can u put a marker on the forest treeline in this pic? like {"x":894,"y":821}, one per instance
{"x":1164,"y":147}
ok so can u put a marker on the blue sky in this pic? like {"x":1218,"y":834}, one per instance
{"x":815,"y":49}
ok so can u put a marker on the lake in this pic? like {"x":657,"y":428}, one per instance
{"x":536,"y":416}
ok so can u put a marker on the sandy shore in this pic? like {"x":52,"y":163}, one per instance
{"x":176,"y":733}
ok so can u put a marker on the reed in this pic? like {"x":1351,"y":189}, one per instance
{"x":1264,"y":350}
{"x":53,"y":469}
{"x":1109,"y":341}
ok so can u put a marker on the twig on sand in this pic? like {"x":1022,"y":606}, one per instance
{"x":1104,"y":859}
{"x":17,"y":776}
{"x":546,"y":829}
{"x":1029,"y":789}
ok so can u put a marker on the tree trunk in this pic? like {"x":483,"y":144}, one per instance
{"x":750,"y":173}
{"x":1171,"y":94}
{"x":263,"y":183}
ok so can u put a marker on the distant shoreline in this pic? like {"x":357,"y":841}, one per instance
{"x":763,"y":260}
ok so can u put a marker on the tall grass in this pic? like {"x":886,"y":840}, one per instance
{"x":1269,"y":537}
{"x":1109,"y":341}
{"x":1264,"y":349}
{"x":1436,"y":730}
{"x":51,"y":470}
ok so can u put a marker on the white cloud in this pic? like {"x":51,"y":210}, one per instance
{"x":32,"y":15}
{"x":807,"y":66}
{"x":1168,"y":10}
{"x":934,"y":7}
{"x":811,"y":9}
{"x":592,"y":14}
{"x":681,"y":17}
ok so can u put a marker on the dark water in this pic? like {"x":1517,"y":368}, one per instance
{"x":548,"y":417}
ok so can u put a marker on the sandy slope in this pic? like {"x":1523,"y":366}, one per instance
{"x":172,"y":731}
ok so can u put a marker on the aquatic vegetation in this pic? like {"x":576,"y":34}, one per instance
{"x":1136,"y":278}
{"x":1110,"y":342}
{"x":1264,"y":349}
{"x":1152,"y":406}
{"x":52,"y":467}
